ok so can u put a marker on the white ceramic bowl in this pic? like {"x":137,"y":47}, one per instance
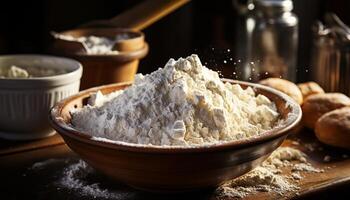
{"x":25,"y":102}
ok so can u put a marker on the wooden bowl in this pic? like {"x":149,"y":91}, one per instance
{"x":174,"y":169}
{"x":101,"y":69}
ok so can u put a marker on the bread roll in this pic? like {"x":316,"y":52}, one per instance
{"x":333,"y":128}
{"x":310,"y":88}
{"x":318,"y":104}
{"x":284,"y":86}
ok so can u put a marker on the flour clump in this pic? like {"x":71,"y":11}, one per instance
{"x":269,"y":177}
{"x":183,"y":103}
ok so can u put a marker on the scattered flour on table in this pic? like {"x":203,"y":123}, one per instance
{"x":45,"y":163}
{"x":80,"y":178}
{"x":327,"y":158}
{"x":305,"y":167}
{"x":269,"y":177}
{"x":74,"y":178}
{"x":183,"y":103}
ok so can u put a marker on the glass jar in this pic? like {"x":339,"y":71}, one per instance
{"x":272,"y":40}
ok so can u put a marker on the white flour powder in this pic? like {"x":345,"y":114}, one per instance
{"x":94,"y":44}
{"x":28,"y":72}
{"x":81,"y":178}
{"x":73,"y":178}
{"x":13,"y":72}
{"x":269,"y":177}
{"x":183,"y":103}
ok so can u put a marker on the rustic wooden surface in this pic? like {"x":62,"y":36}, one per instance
{"x":20,"y":181}
{"x":11,"y":147}
{"x":323,"y":185}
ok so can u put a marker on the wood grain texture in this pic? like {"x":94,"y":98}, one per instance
{"x":336,"y":171}
{"x":14,"y":168}
{"x":141,"y":16}
{"x":25,"y":158}
{"x":12,"y":147}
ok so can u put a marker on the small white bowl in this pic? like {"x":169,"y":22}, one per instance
{"x":25,"y":102}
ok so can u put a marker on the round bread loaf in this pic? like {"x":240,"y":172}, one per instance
{"x":284,"y":86}
{"x":310,"y":88}
{"x":333,"y":128}
{"x":318,"y":104}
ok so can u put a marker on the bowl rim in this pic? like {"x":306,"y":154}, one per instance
{"x":32,"y":82}
{"x":114,"y":30}
{"x":121,"y":56}
{"x":68,"y":131}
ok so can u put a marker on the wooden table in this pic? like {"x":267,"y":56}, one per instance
{"x":20,"y":181}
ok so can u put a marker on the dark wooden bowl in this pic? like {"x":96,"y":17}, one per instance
{"x":174,"y":169}
{"x":101,"y":69}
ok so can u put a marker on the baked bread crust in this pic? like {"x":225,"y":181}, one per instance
{"x":318,"y":104}
{"x":310,"y":88}
{"x":333,"y":128}
{"x":284,"y":86}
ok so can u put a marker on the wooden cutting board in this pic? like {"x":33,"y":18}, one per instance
{"x":334,"y":162}
{"x":22,"y":183}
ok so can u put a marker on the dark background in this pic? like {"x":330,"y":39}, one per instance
{"x":198,"y":27}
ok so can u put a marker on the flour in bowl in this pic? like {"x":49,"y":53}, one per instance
{"x":95,"y":44}
{"x":183,"y":103}
{"x":28,"y":72}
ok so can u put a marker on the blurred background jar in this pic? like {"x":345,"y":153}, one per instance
{"x":330,"y":58}
{"x":271,"y":39}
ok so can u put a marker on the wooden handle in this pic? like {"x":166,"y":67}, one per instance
{"x":141,"y":16}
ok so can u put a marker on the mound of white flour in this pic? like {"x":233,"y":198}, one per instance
{"x":183,"y":103}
